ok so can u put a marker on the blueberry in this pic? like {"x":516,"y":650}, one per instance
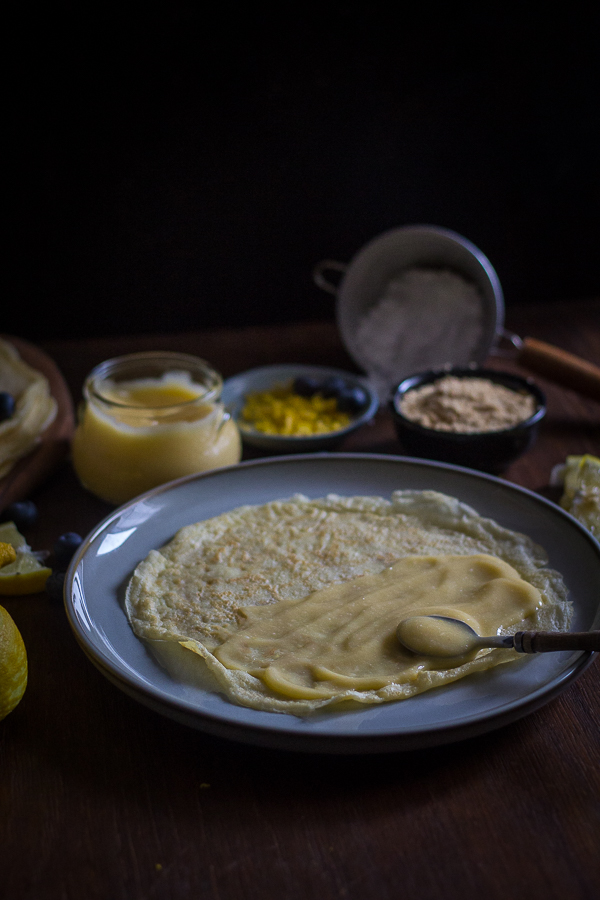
{"x":23,"y":513}
{"x":7,"y":406}
{"x":352,"y":400}
{"x":64,"y":548}
{"x":333,"y":386}
{"x":55,"y":586}
{"x":305,"y":385}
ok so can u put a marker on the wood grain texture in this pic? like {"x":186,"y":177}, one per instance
{"x":102,"y":798}
{"x":558,"y":365}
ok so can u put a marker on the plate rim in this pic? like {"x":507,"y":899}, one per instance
{"x":258,"y":734}
{"x":337,"y":744}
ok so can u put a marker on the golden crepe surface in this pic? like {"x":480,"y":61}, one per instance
{"x":190,"y":594}
{"x":35,"y":407}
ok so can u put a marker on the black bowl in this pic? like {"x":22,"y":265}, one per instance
{"x":490,"y":451}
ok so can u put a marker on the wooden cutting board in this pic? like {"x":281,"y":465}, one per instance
{"x":55,"y":441}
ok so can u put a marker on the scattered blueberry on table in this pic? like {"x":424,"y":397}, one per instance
{"x":23,"y":513}
{"x":55,"y":586}
{"x":65,"y":548}
{"x":62,"y":553}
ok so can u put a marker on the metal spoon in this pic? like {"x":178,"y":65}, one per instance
{"x":449,"y":637}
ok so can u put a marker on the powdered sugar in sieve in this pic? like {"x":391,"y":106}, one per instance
{"x":425,"y":319}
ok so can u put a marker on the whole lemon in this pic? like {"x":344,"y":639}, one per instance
{"x":13,"y":664}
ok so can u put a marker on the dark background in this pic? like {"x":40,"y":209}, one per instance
{"x":181,"y":169}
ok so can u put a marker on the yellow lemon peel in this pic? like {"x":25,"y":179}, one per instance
{"x":13,"y":664}
{"x":281,"y":411}
{"x":25,"y":574}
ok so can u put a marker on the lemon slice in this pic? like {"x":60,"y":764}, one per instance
{"x":10,"y":535}
{"x":581,"y":491}
{"x":26,"y":575}
{"x":13,"y":664}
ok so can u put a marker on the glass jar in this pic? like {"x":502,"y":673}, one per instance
{"x":148,"y":418}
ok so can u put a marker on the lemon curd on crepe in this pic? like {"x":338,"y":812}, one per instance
{"x":293,"y":605}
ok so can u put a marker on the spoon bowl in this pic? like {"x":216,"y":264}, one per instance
{"x":444,"y":636}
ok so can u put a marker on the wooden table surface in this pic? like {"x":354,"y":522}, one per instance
{"x":102,"y":798}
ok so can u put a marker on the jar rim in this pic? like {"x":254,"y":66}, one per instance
{"x":153,"y":364}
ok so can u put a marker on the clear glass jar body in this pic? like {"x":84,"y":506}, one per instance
{"x":149,"y":418}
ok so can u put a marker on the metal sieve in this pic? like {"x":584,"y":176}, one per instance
{"x":366,"y":278}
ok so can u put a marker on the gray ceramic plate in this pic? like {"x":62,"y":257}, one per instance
{"x":98,"y":575}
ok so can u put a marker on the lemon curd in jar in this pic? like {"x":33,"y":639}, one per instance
{"x":148,"y":418}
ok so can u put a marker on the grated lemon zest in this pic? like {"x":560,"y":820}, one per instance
{"x":281,"y":411}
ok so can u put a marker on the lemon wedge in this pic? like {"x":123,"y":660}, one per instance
{"x":13,"y":664}
{"x":581,"y":490}
{"x":26,"y":574}
{"x":9,"y":534}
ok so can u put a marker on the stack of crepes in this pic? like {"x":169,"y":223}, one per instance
{"x":35,"y":408}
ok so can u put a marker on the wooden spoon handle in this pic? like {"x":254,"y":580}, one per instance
{"x":564,"y":368}
{"x":543,"y":641}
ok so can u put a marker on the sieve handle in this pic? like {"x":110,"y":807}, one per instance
{"x":559,"y":366}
